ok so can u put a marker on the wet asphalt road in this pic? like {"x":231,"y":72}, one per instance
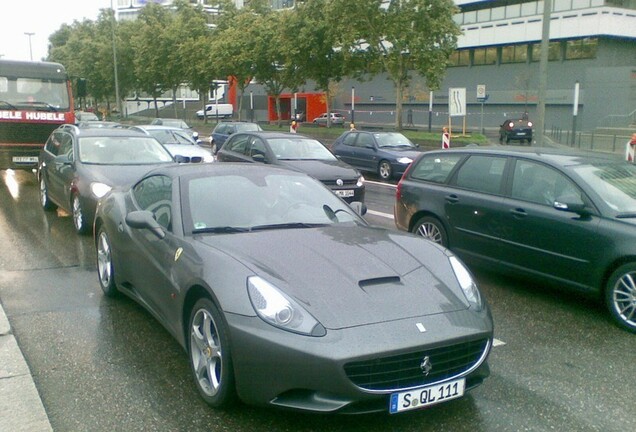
{"x":106,"y":365}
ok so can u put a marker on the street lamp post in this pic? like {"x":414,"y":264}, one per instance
{"x":30,"y":46}
{"x":115,"y":60}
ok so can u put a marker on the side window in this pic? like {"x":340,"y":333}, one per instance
{"x":365,"y":140}
{"x":239,"y":144}
{"x":482,"y":174}
{"x":350,"y":139}
{"x":154,"y":194}
{"x":257,"y":147}
{"x":66,"y":145}
{"x":435,"y":168}
{"x":220,"y":129}
{"x":53,"y":144}
{"x":541,"y":184}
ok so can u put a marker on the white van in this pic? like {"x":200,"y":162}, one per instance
{"x":225,"y":111}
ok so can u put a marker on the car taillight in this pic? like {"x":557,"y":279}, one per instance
{"x":398,"y":189}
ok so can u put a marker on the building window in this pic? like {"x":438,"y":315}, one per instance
{"x":485,"y":56}
{"x":562,"y":5}
{"x":554,"y":51}
{"x":529,"y":8}
{"x":581,"y":49}
{"x":513,"y":11}
{"x":459,"y":58}
{"x":514,"y":54}
{"x":498,"y":13}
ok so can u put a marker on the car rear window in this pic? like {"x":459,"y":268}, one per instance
{"x":435,"y":168}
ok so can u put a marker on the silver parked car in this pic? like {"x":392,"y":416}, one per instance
{"x":282,"y":295}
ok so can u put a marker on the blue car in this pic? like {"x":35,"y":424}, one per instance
{"x":386,"y":153}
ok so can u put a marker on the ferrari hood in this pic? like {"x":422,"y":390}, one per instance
{"x":349,"y":276}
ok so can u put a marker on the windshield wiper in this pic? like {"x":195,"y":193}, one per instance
{"x":9,"y":104}
{"x":626,"y":215}
{"x":287,"y":226}
{"x":44,"y":104}
{"x":220,"y":230}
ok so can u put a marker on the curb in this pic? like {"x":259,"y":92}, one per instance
{"x":21,"y":408}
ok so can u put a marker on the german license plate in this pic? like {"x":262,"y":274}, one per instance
{"x":25,"y":159}
{"x":426,"y":396}
{"x":344,"y":193}
{"x":521,"y":133}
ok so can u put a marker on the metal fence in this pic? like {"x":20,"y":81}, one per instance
{"x":604,"y":142}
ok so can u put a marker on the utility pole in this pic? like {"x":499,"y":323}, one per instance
{"x":543,"y":72}
{"x":30,"y":46}
{"x":115,"y":60}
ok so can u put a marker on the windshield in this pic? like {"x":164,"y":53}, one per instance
{"x":31,"y":93}
{"x":245,"y":202}
{"x":115,"y":150}
{"x":615,"y":184}
{"x":167,"y":136}
{"x":392,"y":139}
{"x":248,"y":127}
{"x":299,"y":149}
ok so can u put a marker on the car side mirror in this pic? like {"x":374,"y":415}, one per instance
{"x":259,"y":158}
{"x":143,"y":219}
{"x":359,"y":208}
{"x":576,"y":207}
{"x":63,"y":159}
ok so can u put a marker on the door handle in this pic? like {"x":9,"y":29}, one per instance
{"x":452,"y":198}
{"x":518,"y":212}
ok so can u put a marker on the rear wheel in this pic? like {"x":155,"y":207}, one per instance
{"x":46,"y":202}
{"x":620,"y":296}
{"x":431,"y":229}
{"x":210,"y":357}
{"x":385,"y":171}
{"x":79,"y":219}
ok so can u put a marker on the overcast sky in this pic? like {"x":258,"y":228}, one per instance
{"x":42,"y":18}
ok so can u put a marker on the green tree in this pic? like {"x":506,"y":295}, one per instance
{"x":403,"y":36}
{"x":152,"y":48}
{"x":313,"y":42}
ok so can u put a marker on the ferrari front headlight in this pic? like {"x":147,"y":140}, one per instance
{"x":467,"y":283}
{"x":280,"y":310}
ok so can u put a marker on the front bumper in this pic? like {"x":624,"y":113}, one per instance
{"x":274,"y":367}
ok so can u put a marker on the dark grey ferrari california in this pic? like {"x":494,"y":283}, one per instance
{"x":282,"y":295}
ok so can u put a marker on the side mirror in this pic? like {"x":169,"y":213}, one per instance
{"x":63,"y":159}
{"x":359,"y":208}
{"x":576,"y":207}
{"x":259,"y":158}
{"x":143,"y":219}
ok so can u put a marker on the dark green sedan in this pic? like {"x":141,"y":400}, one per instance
{"x":563,"y":216}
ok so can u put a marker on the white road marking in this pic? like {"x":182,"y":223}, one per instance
{"x":496,"y":342}
{"x":377,"y":213}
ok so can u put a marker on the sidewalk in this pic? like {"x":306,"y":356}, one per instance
{"x":20,"y":406}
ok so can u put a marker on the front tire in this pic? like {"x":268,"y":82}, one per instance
{"x":105,"y":269}
{"x":385,"y":170}
{"x":431,"y":229}
{"x":210,"y":356}
{"x":79,"y":219}
{"x":46,"y":202}
{"x":620,"y":296}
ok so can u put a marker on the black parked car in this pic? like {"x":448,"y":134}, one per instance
{"x":563,"y":216}
{"x":387,"y":154}
{"x":297,"y":152}
{"x":78,"y":166}
{"x":516,"y":130}
{"x":223,"y":130}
